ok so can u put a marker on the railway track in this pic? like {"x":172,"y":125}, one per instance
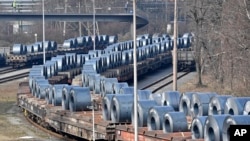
{"x":6,"y":70}
{"x":164,"y":81}
{"x":52,"y":133}
{"x":14,"y":77}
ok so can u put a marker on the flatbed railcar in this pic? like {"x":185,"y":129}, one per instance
{"x":30,"y":59}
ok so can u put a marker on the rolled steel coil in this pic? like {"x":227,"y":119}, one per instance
{"x":106,"y":106}
{"x":36,"y":68}
{"x":235,"y":105}
{"x":108,"y":85}
{"x":155,"y":116}
{"x":49,"y":69}
{"x":95,"y":62}
{"x":216,"y":104}
{"x":48,"y":94}
{"x":60,"y":59}
{"x":37,"y":47}
{"x":213,"y":127}
{"x":200,"y":102}
{"x":197,"y":127}
{"x":185,"y":103}
{"x":85,"y":77}
{"x":113,"y":39}
{"x":17,"y":49}
{"x":233,"y":120}
{"x":125,"y":57}
{"x":35,"y":85}
{"x":143,"y":94}
{"x":80,"y":99}
{"x":57,"y":94}
{"x":30,"y":49}
{"x":143,"y":107}
{"x":40,"y":46}
{"x":247,"y":108}
{"x":33,"y":75}
{"x":91,"y":78}
{"x":88,"y":41}
{"x":79,"y":61}
{"x":175,"y":122}
{"x":70,"y":59}
{"x":118,"y":86}
{"x":53,"y":67}
{"x":171,"y":98}
{"x":42,"y":90}
{"x":81,"y":41}
{"x":53,"y":45}
{"x":47,"y":45}
{"x":121,"y":108}
{"x":68,"y":44}
{"x":65,"y":96}
{"x":156,"y":97}
{"x":97,"y":86}
{"x":127,"y":90}
{"x":107,"y":60}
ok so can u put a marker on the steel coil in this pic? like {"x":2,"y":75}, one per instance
{"x":65,"y":96}
{"x":42,"y":90}
{"x":121,"y":108}
{"x":91,"y":78}
{"x":81,"y":41}
{"x":247,"y":108}
{"x":35,"y":85}
{"x":97,"y":86}
{"x":33,"y":75}
{"x":80,"y":99}
{"x":70,"y":60}
{"x":235,"y":105}
{"x":143,"y":107}
{"x":79,"y":61}
{"x":155,"y":116}
{"x":216,"y":104}
{"x":68,"y":44}
{"x":113,"y":39}
{"x":171,"y":98}
{"x":143,"y":94}
{"x":85,"y":77}
{"x":213,"y":127}
{"x":118,"y":86}
{"x":106,"y":106}
{"x":108,"y":85}
{"x":57,"y":94}
{"x":53,"y":45}
{"x":30,"y":49}
{"x":185,"y":103}
{"x":127,"y":90}
{"x":175,"y":122}
{"x":48,"y":94}
{"x":37,"y":47}
{"x":40,"y":44}
{"x":200,"y":102}
{"x":233,"y":120}
{"x":60,"y":59}
{"x":197,"y":127}
{"x":17,"y":49}
{"x":156,"y":97}
{"x":47,"y":45}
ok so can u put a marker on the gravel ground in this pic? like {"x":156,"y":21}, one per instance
{"x":13,"y":125}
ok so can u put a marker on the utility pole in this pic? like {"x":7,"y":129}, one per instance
{"x":175,"y":49}
{"x":135,"y":74}
{"x":80,"y":23}
{"x":64,"y":23}
{"x":44,"y":56}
